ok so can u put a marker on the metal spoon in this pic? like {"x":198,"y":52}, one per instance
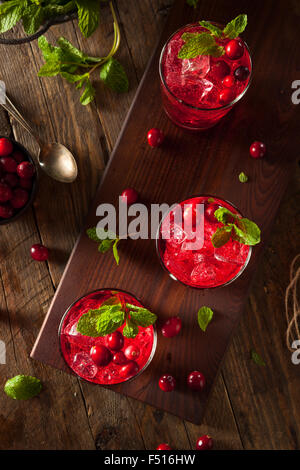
{"x":55,"y":159}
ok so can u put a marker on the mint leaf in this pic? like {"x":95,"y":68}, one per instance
{"x":88,"y":16}
{"x":114,"y":76}
{"x":115,"y":251}
{"x":130,"y":330}
{"x":221,"y":236}
{"x":192,"y":3}
{"x":92,"y":234}
{"x":89,"y":93}
{"x":22,"y":387}
{"x":105,"y":245}
{"x":10,"y":13}
{"x":205,"y":315}
{"x":257,"y":359}
{"x":199,"y":44}
{"x":110,"y":321}
{"x":235,"y":27}
{"x":143,"y":317}
{"x":56,"y":10}
{"x":212,"y":28}
{"x":87,"y":323}
{"x":50,"y":69}
{"x":224,"y":215}
{"x":32,"y":18}
{"x":243,"y":177}
{"x":246,"y":232}
{"x":107,"y":241}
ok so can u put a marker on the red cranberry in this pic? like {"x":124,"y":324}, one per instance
{"x":242,"y":73}
{"x":6,"y":147}
{"x":226,"y":96}
{"x":209,"y":212}
{"x":234,"y":49}
{"x":132,"y":352}
{"x":25,"y":183}
{"x":100,"y":355}
{"x":120,"y":358}
{"x":196,"y":381}
{"x":258,"y":149}
{"x":129,"y":196}
{"x":167,"y":383}
{"x":25,"y":170}
{"x":129,"y":369}
{"x":220,"y":69}
{"x":6,"y":211}
{"x":11,"y":179}
{"x":9,"y":164}
{"x":171,"y":327}
{"x":204,"y":443}
{"x":39,"y":252}
{"x":20,"y":198}
{"x":115,"y":340}
{"x":155,"y":137}
{"x":5,"y":192}
{"x":229,"y":81}
{"x":163,"y":447}
{"x":18,"y":156}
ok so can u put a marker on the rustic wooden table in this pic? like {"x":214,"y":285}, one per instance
{"x":252,"y":407}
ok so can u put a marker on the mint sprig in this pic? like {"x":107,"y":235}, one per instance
{"x":108,"y":241}
{"x":240,"y":229}
{"x":111,"y":316}
{"x":196,"y":44}
{"x":22,"y":387}
{"x":205,"y":315}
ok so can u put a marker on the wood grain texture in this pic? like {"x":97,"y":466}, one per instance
{"x":207,"y":163}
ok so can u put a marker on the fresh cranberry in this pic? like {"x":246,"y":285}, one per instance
{"x":196,"y":381}
{"x":204,"y":443}
{"x":6,"y":211}
{"x":18,"y":156}
{"x":25,"y":183}
{"x":226,"y":96}
{"x":229,"y":81}
{"x":6,"y":147}
{"x":120,"y":358}
{"x":129,"y":369}
{"x":234,"y":49}
{"x":9,"y":164}
{"x":115,"y":340}
{"x":171,"y":327}
{"x":241,"y":73}
{"x":167,"y":383}
{"x":19,"y":198}
{"x":25,"y":170}
{"x":5,"y":192}
{"x":209,"y":212}
{"x":39,"y":252}
{"x":129,"y":196}
{"x":163,"y":447}
{"x":220,"y":69}
{"x":132,"y":352}
{"x":11,"y":179}
{"x":100,"y":355}
{"x":155,"y":137}
{"x":258,"y":149}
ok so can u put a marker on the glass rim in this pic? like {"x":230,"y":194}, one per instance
{"x":173,"y":275}
{"x":219,"y":108}
{"x":149,"y":360}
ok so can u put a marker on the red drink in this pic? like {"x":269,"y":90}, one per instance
{"x":195,"y":94}
{"x":76,"y":348}
{"x":207,"y":266}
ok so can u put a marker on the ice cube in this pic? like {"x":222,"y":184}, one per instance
{"x":200,"y":66}
{"x":83,"y":365}
{"x":203,"y":273}
{"x":235,"y":253}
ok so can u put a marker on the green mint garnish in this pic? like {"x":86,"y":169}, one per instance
{"x":192,"y":3}
{"x":111,"y":315}
{"x":205,"y":315}
{"x":243,"y":177}
{"x":240,"y":229}
{"x":257,"y":359}
{"x":197,"y":44}
{"x":88,"y":16}
{"x":23,"y":387}
{"x":114,"y":76}
{"x":105,"y":243}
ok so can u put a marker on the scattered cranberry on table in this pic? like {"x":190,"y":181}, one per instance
{"x":39,"y":252}
{"x":6,"y":147}
{"x":171,"y":327}
{"x":234,"y":49}
{"x":155,"y":137}
{"x":258,"y":149}
{"x":25,"y":170}
{"x":241,"y":73}
{"x":129,"y":369}
{"x":204,"y":443}
{"x":115,"y":340}
{"x":163,"y":447}
{"x":132,"y":352}
{"x":129,"y":196}
{"x":196,"y":381}
{"x":226,"y":96}
{"x":100,"y":355}
{"x":229,"y":81}
{"x":167,"y":383}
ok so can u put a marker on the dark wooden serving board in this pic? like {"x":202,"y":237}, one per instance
{"x":189,"y":164}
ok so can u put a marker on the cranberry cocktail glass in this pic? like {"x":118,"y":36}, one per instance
{"x":206,"y":267}
{"x":126,"y":357}
{"x":198,"y":92}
